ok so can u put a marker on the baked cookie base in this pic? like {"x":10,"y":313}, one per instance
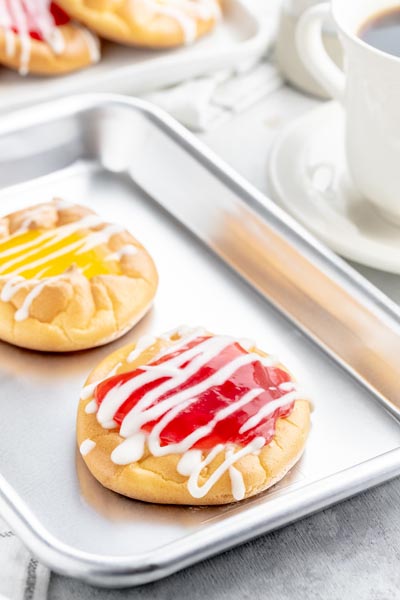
{"x":156,"y":479}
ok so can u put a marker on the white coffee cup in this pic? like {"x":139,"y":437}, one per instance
{"x":369,"y":91}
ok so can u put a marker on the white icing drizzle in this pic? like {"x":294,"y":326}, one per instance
{"x":267,"y":410}
{"x":128,"y":250}
{"x":35,"y":15}
{"x":201,"y":432}
{"x":92,"y":43}
{"x":187,"y":24}
{"x":191,"y":464}
{"x":185,"y":12}
{"x":42,"y":21}
{"x":61,"y":203}
{"x":194,"y":466}
{"x":91,"y":407}
{"x":56,"y":40}
{"x":111,"y":424}
{"x":77,"y":245}
{"x":30,"y":215}
{"x":117,"y":396}
{"x":11,"y":287}
{"x":287,"y":386}
{"x":186,"y":334}
{"x":143,"y":412}
{"x":52,"y":236}
{"x":87,"y":446}
{"x":87,"y":391}
{"x":5,"y":19}
{"x":23,"y":312}
{"x":143,"y":344}
{"x":200,"y":9}
{"x":131,"y":450}
{"x":183,"y":331}
{"x":9,"y":37}
{"x":237,"y":484}
{"x":46,"y":240}
{"x":180,"y":368}
{"x":198,"y":357}
{"x":6,"y":24}
{"x":19,"y":17}
{"x":247,"y":344}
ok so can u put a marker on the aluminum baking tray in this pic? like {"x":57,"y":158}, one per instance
{"x":239,"y":40}
{"x":228,"y":259}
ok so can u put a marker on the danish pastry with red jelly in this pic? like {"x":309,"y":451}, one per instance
{"x":191,"y":418}
{"x":37,"y":36}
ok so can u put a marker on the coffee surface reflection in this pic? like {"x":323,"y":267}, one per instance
{"x":382,"y":31}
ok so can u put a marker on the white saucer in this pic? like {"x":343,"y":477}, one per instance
{"x":310,"y":180}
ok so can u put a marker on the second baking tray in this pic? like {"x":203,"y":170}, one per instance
{"x":248,"y":271}
{"x":239,"y":40}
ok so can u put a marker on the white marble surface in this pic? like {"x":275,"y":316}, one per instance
{"x":351,"y":551}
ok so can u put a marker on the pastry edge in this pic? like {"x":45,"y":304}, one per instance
{"x":155,"y":479}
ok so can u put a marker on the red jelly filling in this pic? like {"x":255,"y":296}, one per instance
{"x":60,"y":18}
{"x":208,"y":403}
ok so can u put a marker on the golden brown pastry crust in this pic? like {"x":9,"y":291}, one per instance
{"x":156,"y":479}
{"x":133,"y":23}
{"x":73,"y":312}
{"x":82,"y":49}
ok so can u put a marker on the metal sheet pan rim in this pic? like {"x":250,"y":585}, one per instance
{"x":113,"y":571}
{"x":46,"y":112}
{"x":243,"y":52}
{"x":132,"y":569}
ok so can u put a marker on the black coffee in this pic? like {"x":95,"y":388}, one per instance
{"x":383,"y":31}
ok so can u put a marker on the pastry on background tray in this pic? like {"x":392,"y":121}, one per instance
{"x":191,"y":418}
{"x":37,"y":36}
{"x":68,"y":280}
{"x":147,"y":23}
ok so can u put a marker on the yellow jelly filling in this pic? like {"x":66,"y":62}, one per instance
{"x":45,"y":253}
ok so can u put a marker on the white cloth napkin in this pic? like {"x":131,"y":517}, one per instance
{"x":21,"y":576}
{"x":204,"y":102}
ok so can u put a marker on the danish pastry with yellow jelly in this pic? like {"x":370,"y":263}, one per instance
{"x":147,"y":23}
{"x":68,"y":280}
{"x":191,"y":418}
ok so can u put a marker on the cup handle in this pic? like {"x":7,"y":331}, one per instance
{"x":313,"y":54}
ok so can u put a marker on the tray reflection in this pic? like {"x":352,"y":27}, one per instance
{"x":115,"y":507}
